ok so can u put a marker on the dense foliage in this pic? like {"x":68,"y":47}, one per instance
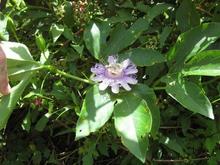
{"x":56,"y":114}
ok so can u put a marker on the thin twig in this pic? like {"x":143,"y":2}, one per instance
{"x":179,"y":160}
{"x":204,"y":11}
{"x":170,"y":127}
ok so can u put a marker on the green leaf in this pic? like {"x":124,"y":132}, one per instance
{"x":146,"y":93}
{"x":68,"y":14}
{"x":3,"y":25}
{"x":164,"y":35}
{"x":42,"y":123}
{"x":210,"y":144}
{"x":56,"y":31}
{"x":122,"y":38}
{"x":189,"y":95}
{"x":122,"y":15}
{"x":8,"y":103}
{"x":142,"y":7}
{"x":143,"y":57}
{"x":40,"y":41}
{"x":133,"y":123}
{"x":44,"y":57}
{"x":95,"y":37}
{"x":88,"y":159}
{"x":16,"y":51}
{"x":187,"y":16}
{"x":97,"y":108}
{"x":192,"y":42}
{"x":11,"y":26}
{"x":157,"y":10}
{"x":20,"y":67}
{"x":19,"y":59}
{"x":206,"y":63}
{"x":172,"y":144}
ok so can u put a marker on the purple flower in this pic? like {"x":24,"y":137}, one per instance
{"x":115,"y":74}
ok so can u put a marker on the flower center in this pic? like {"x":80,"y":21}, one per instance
{"x":114,"y":70}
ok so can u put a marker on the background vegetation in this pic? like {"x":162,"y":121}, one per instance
{"x":62,"y":35}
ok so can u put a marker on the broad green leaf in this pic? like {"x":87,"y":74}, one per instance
{"x":95,"y":37}
{"x":143,"y":57}
{"x":187,"y":16}
{"x":189,"y":95}
{"x":172,"y":144}
{"x":122,"y":38}
{"x":16,"y":51}
{"x":8,"y":103}
{"x":56,"y":31}
{"x":133,"y":123}
{"x":18,"y":68}
{"x":206,"y":63}
{"x":19,"y":59}
{"x":192,"y":42}
{"x":97,"y":108}
{"x":146,"y":93}
{"x":157,"y":10}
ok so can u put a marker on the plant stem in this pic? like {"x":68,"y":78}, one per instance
{"x":216,"y":100}
{"x":62,"y":73}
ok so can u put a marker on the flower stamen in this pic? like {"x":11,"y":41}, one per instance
{"x":115,"y":74}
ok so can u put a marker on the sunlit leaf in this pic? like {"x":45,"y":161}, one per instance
{"x":192,"y":42}
{"x":8,"y":103}
{"x":133,"y":123}
{"x":96,"y":110}
{"x":146,"y":93}
{"x":19,"y":59}
{"x":95,"y":38}
{"x":3,"y":25}
{"x":206,"y":63}
{"x":189,"y":95}
{"x":56,"y":30}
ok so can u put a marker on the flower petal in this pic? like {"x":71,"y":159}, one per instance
{"x":98,"y":69}
{"x":112,"y":59}
{"x":125,"y":86}
{"x":130,"y":70}
{"x":126,"y":63}
{"x":98,"y":78}
{"x":130,"y":80}
{"x":115,"y":88}
{"x":103,"y":85}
